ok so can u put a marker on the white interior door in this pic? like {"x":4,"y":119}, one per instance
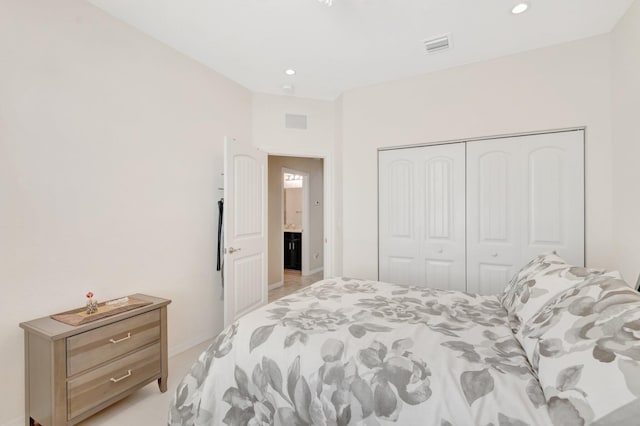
{"x":525,"y":196}
{"x":422,"y":216}
{"x":245,"y":229}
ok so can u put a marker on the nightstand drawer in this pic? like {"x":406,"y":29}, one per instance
{"x":95,"y":347}
{"x":97,"y":386}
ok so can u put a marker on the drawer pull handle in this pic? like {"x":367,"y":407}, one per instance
{"x":121,"y":340}
{"x":121,"y":378}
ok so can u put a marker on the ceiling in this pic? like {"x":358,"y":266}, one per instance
{"x":354,"y":43}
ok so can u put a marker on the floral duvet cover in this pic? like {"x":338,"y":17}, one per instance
{"x":346,"y":351}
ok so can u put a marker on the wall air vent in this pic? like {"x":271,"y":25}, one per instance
{"x":295,"y":121}
{"x":438,"y":44}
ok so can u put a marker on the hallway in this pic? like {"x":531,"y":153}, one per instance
{"x":293,"y":281}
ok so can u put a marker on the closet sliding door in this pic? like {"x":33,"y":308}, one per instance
{"x":422,"y":216}
{"x":468,"y":220}
{"x":525,"y":196}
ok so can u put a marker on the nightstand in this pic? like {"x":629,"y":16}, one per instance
{"x":72,"y":372}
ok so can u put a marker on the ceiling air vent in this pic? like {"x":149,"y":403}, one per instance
{"x":295,"y":121}
{"x":438,"y":44}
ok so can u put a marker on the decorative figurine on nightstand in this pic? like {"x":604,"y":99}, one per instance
{"x":92,"y":305}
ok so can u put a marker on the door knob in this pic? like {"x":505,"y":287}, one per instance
{"x":232,"y":250}
{"x":440,"y":250}
{"x":494,"y":255}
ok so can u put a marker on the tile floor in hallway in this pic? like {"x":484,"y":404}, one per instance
{"x":293,"y":281}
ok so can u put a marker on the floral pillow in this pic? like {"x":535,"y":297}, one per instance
{"x":585,"y":347}
{"x":539,"y":282}
{"x":517,"y":291}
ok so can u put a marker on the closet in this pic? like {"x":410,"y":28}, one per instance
{"x":467,"y":215}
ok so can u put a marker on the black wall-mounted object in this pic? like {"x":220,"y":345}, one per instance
{"x":219,"y":254}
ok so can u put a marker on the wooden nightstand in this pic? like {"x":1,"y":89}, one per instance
{"x":72,"y":372}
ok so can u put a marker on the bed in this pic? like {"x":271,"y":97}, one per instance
{"x":348,"y":351}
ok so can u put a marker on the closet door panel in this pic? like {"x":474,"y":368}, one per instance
{"x":399,"y":260}
{"x":422,"y":216}
{"x":400,"y":191}
{"x":444,"y":275}
{"x":400,"y":270}
{"x":525,"y":196}
{"x":554,"y":202}
{"x":544,"y":205}
{"x":492,"y":277}
{"x":494,"y":196}
{"x":443,"y":199}
{"x":493,"y":212}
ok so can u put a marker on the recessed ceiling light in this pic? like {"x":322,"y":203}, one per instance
{"x":520,"y":8}
{"x":290,"y":71}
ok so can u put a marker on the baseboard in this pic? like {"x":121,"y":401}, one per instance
{"x":315,"y":271}
{"x":275,"y":285}
{"x":18,"y":421}
{"x":178,"y":349}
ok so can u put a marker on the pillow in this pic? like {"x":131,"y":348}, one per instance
{"x":517,"y":291}
{"x":585,"y":347}
{"x":540,"y":281}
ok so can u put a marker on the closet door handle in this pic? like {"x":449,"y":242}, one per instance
{"x":232,"y":250}
{"x":440,"y":251}
{"x":494,"y":255}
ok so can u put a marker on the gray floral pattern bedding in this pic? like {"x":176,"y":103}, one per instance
{"x":585,"y":347}
{"x":346,"y":351}
{"x":580,"y":329}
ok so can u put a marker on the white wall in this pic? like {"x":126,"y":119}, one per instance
{"x":626,"y":142}
{"x":557,"y":87}
{"x":314,"y":235}
{"x":110,"y":156}
{"x":318,"y":140}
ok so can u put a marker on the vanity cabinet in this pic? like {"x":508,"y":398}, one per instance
{"x":293,"y":250}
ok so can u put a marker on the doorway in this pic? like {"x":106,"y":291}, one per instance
{"x":295,"y":217}
{"x":296,"y":223}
